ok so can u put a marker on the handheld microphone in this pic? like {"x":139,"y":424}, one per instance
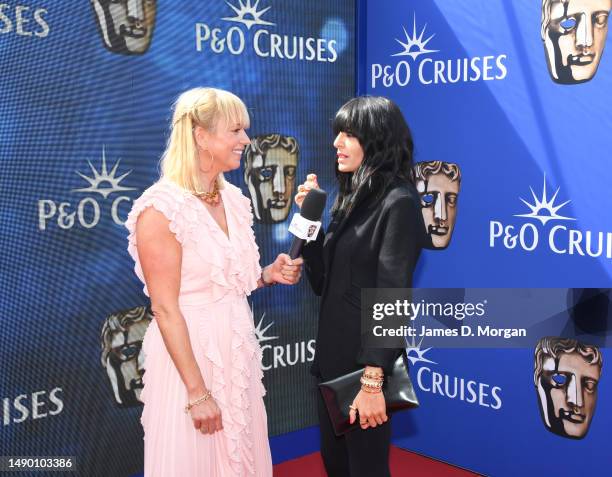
{"x":306,"y":225}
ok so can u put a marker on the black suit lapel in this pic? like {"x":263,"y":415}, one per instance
{"x":335,"y":230}
{"x":331,"y":239}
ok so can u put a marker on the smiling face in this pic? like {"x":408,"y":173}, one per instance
{"x":349,"y":153}
{"x":126,"y":26}
{"x":225,"y":143}
{"x":574,"y":34}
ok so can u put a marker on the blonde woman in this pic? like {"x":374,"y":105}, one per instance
{"x":192,"y":240}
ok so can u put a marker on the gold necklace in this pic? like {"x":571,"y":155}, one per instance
{"x":211,"y":198}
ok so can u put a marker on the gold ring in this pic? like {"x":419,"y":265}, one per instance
{"x":353,"y":408}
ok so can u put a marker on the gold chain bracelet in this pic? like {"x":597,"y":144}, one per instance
{"x":370,"y":383}
{"x":201,"y":399}
{"x":371,"y":391}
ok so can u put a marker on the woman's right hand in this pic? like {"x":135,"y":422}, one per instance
{"x":303,"y":189}
{"x":206,"y":416}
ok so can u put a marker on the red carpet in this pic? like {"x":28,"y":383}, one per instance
{"x":403,"y":463}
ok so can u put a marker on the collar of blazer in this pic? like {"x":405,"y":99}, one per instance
{"x":336,"y":230}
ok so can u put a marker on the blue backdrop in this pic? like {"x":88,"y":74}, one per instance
{"x":84,"y":117}
{"x":478,"y":93}
{"x":472,"y":80}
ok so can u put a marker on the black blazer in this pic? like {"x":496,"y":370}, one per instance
{"x":376,"y":246}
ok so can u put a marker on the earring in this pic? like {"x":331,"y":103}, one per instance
{"x":212,"y":159}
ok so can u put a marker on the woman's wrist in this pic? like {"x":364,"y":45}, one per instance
{"x":196,"y":391}
{"x":266,"y":277}
{"x":372,"y":379}
{"x":199,"y":400}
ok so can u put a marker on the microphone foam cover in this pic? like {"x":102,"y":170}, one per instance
{"x":313,"y":205}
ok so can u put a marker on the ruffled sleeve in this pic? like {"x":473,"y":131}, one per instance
{"x":170,"y":201}
{"x":212,"y":265}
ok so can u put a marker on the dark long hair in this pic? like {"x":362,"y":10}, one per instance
{"x":387,"y":145}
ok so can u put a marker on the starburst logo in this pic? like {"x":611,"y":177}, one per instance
{"x":415,"y":354}
{"x":544,"y":209}
{"x":260,"y":331}
{"x":248,"y":14}
{"x":414,"y":45}
{"x":98,"y":180}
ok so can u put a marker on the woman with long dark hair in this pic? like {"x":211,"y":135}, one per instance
{"x":373,"y":241}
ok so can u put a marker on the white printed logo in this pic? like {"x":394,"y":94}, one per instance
{"x":561,"y":239}
{"x":281,"y":356}
{"x":99,"y":178}
{"x":248,"y":10}
{"x":415,"y":354}
{"x":24,"y":20}
{"x":414,"y":42}
{"x":451,"y":387}
{"x":544,"y":209}
{"x":87,"y":212}
{"x":263,"y":42}
{"x":31,"y":406}
{"x":433,"y":71}
{"x":260,"y":331}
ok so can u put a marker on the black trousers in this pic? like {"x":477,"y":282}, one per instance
{"x":358,"y":453}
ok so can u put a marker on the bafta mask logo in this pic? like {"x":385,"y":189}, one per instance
{"x":122,"y":356}
{"x":311,"y":230}
{"x":270,"y":165}
{"x":438,"y":185}
{"x":566,"y":376}
{"x":126,"y":26}
{"x":574,"y":34}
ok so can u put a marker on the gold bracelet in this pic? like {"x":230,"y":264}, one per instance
{"x":201,"y":399}
{"x":376,"y":381}
{"x":370,"y":383}
{"x":373,"y":376}
{"x":365,"y":389}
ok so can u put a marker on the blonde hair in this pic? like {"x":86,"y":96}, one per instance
{"x":204,"y":107}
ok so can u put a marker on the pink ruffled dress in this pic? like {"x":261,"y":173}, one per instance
{"x":217,"y":274}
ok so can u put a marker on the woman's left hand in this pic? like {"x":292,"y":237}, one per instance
{"x":370,"y":407}
{"x":284,"y":270}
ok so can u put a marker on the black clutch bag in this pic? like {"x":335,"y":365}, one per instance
{"x":339,"y":394}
